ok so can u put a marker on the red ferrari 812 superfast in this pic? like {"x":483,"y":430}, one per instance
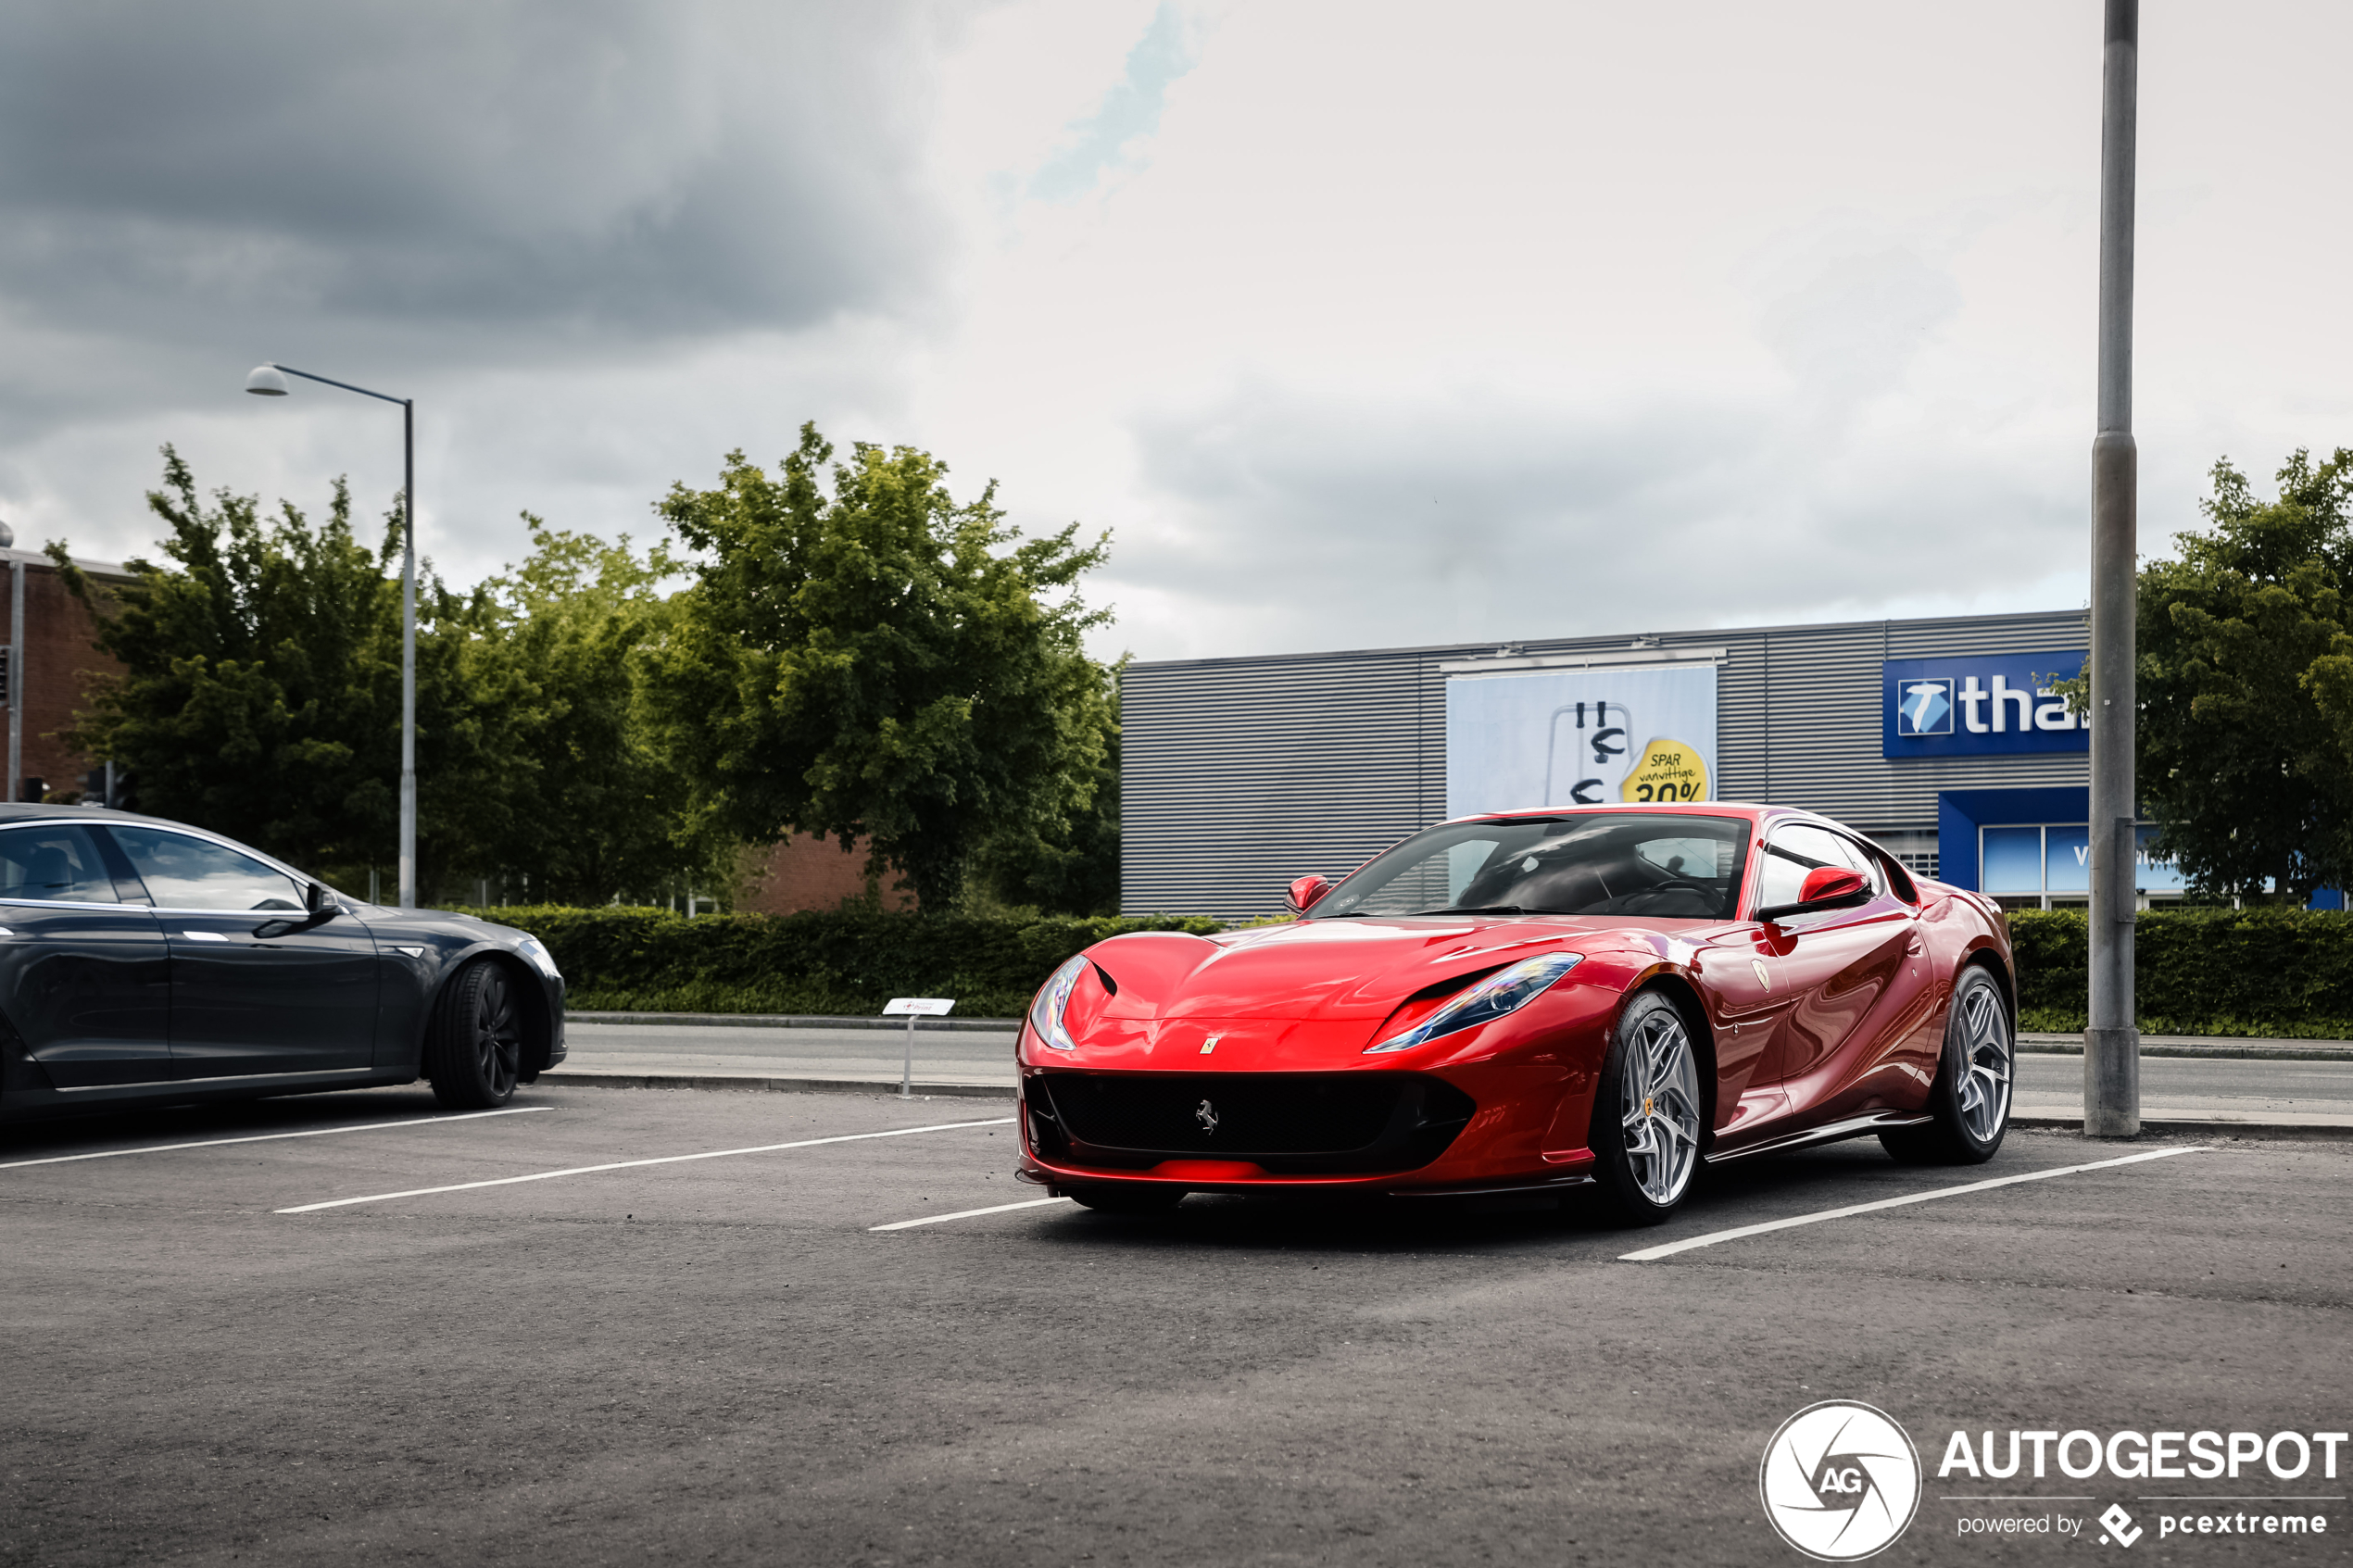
{"x":1607,"y":995}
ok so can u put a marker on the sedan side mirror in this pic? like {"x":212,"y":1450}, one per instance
{"x":1825,"y":887}
{"x":318,"y":901}
{"x":1307,"y":890}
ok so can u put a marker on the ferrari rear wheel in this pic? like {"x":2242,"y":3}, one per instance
{"x":1647,"y":1115}
{"x":1127,"y":1200}
{"x":1969,"y":1102}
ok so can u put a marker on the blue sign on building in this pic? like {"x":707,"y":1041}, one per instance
{"x":1979,"y":705}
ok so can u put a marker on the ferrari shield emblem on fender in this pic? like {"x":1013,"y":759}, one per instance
{"x":1206,"y":1115}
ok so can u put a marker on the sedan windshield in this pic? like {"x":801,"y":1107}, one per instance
{"x":1660,"y":865}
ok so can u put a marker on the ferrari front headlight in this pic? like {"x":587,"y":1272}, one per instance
{"x":1506,"y":990}
{"x":1046,"y":1012}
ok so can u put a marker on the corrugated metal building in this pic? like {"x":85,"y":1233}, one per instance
{"x":1240,"y":773}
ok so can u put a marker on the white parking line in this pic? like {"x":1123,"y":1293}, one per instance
{"x":632,"y":1164}
{"x":1652,"y":1254}
{"x":266,"y":1138}
{"x":968,"y":1214}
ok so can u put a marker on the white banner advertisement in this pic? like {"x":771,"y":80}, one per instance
{"x":1586,"y":737}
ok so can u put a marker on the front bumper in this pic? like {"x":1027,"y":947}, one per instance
{"x":1369,"y":1131}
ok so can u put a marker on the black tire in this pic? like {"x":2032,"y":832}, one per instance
{"x":473,"y":1053}
{"x":1649,"y":1113}
{"x":1127,"y":1200}
{"x":1970,"y":1101}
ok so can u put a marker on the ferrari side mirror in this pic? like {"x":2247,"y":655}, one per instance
{"x":1307,"y":890}
{"x":1829,"y":885}
{"x":1825,"y":887}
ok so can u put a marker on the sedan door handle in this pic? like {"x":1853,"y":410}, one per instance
{"x":204,"y":936}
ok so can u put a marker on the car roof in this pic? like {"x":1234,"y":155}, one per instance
{"x":13,"y":812}
{"x":20,"y":812}
{"x":1762,"y":815}
{"x":1680,"y":808}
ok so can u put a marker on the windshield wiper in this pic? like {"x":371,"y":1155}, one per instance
{"x":1475,"y":910}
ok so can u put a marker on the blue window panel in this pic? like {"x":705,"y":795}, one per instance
{"x":2013,"y":860}
{"x":2151,"y":876}
{"x":2067,"y":859}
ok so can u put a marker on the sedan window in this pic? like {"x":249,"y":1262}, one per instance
{"x":54,"y":863}
{"x":191,"y":874}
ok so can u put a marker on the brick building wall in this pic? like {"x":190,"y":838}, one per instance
{"x":804,"y":872}
{"x":58,"y":657}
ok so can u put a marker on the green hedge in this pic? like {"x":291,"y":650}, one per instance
{"x":651,"y":960}
{"x":2286,"y":973}
{"x":2201,"y":971}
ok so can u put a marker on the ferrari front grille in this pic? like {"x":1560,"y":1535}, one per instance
{"x":1292,"y":1122}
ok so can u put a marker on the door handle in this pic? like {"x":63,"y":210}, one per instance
{"x":204,"y":936}
{"x":1913,"y":945}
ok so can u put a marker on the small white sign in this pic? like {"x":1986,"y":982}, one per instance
{"x":917,"y":1006}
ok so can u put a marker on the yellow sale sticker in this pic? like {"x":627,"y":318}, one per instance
{"x":1669,"y":771}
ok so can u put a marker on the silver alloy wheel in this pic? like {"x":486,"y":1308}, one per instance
{"x":1659,"y":1107}
{"x":1985,"y":1061}
{"x":497,"y":1035}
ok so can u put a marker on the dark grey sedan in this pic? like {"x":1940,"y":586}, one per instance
{"x":144,"y":960}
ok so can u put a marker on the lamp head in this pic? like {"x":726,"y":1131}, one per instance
{"x":266,"y":380}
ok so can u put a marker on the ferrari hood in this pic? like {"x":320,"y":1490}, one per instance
{"x":1316,"y":970}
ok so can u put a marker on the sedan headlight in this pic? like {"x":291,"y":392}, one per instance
{"x":537,"y":952}
{"x":1506,"y":990}
{"x":1046,"y":1012}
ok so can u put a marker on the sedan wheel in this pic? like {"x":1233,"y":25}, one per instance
{"x":475,"y":1052}
{"x":1648,"y":1117}
{"x":1969,"y":1102}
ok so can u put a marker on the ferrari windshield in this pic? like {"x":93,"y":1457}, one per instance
{"x":1656,"y":864}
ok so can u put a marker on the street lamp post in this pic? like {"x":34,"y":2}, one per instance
{"x":2112,"y":1044}
{"x":269,"y":381}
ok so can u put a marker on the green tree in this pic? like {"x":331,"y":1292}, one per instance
{"x":262,"y":683}
{"x":875,"y":659}
{"x":2246,"y":682}
{"x":260,"y":697}
{"x":1075,"y":872}
{"x":591,"y":808}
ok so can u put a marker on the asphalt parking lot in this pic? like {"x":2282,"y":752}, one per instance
{"x":722,"y":1360}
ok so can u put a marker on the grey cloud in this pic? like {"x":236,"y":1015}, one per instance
{"x":591,"y":170}
{"x":1299,"y":523}
{"x":1848,"y":310}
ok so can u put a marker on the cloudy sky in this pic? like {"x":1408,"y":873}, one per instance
{"x":1358,"y":324}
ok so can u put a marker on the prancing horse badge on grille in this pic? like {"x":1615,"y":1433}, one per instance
{"x":1206,"y":1115}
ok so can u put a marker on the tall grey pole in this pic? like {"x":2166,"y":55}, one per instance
{"x":2112,"y":1044}
{"x":268,"y":380}
{"x":16,"y":679}
{"x":408,"y":653}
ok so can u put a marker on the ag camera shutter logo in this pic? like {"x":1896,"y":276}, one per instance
{"x":1839,"y":1481}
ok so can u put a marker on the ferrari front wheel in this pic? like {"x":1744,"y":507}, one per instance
{"x":1968,"y":1105}
{"x":1647,"y":1113}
